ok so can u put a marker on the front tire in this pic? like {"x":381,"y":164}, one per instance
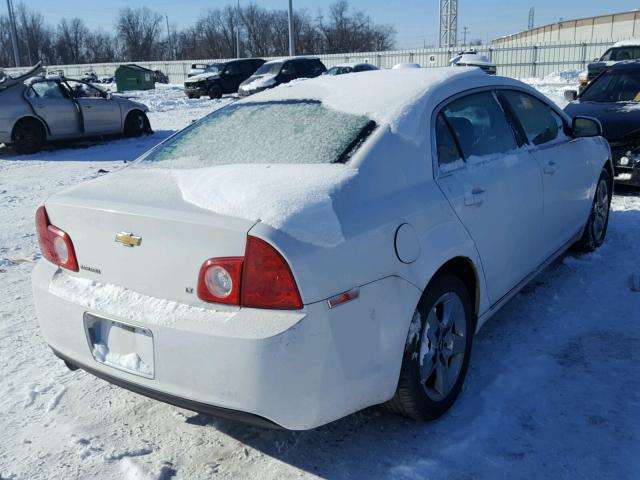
{"x":215,"y":92}
{"x":437,"y":352}
{"x":28,"y":136}
{"x":595,"y":231}
{"x":136,"y":124}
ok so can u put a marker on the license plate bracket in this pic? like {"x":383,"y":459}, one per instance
{"x":119,"y":345}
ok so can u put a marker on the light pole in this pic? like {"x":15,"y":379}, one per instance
{"x":238,"y":31}
{"x":292,"y":45}
{"x":14,"y":34}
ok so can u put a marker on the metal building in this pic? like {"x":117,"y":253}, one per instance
{"x":602,"y":28}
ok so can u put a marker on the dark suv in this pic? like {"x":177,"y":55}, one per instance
{"x":273,"y":73}
{"x":619,"y":52}
{"x":221,"y":78}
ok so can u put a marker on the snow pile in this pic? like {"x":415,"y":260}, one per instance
{"x":554,"y":84}
{"x":296,"y":199}
{"x":124,"y":303}
{"x":128,"y":361}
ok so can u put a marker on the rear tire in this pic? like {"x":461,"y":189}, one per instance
{"x":215,"y":92}
{"x":437,"y":351}
{"x":28,"y":136}
{"x":595,"y":231}
{"x":136,"y":124}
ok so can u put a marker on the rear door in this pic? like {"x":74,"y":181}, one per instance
{"x":54,"y":104}
{"x":494,"y":187}
{"x":566,"y":163}
{"x":231,"y":78}
{"x":100,"y":114}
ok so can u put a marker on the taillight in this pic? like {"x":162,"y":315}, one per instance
{"x":267,"y":281}
{"x":55,"y":244}
{"x":260,"y":279}
{"x":219,"y":280}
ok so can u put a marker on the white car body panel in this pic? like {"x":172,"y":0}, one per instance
{"x":301,"y":369}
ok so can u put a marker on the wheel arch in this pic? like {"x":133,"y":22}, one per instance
{"x":465,"y":269}
{"x":27,"y":118}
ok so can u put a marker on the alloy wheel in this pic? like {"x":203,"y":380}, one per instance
{"x":600,"y":209}
{"x":443,"y":346}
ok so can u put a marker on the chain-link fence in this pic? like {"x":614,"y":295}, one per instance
{"x":525,"y":61}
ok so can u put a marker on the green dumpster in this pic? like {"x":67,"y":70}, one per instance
{"x":134,"y":77}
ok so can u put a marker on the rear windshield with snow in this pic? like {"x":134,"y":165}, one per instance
{"x":274,"y":132}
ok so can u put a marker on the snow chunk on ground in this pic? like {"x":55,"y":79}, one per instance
{"x":295,"y":199}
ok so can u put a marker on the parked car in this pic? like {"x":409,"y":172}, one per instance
{"x":221,"y":78}
{"x":89,"y":77}
{"x":276,"y":72}
{"x":620,"y":51}
{"x":403,"y":66}
{"x":472,"y":58}
{"x":350,"y":68}
{"x":614,"y":99}
{"x":197,"y":69}
{"x":160,"y":77}
{"x":37,"y":109}
{"x":290,"y":273}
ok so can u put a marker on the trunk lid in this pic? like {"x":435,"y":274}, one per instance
{"x":176,"y":237}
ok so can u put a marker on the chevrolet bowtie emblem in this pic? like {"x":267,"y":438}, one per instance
{"x":128,"y":239}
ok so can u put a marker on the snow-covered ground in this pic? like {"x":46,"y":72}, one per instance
{"x":553,"y":390}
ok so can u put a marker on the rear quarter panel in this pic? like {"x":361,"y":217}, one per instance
{"x":13,"y":107}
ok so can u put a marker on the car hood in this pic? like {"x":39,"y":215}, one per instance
{"x":204,"y":76}
{"x":259,"y":81}
{"x":618,"y":119}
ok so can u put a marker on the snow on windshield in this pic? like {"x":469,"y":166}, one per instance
{"x":301,"y":132}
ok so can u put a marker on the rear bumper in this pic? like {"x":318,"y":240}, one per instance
{"x":297,"y":369}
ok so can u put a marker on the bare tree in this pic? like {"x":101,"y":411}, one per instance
{"x":140,"y":30}
{"x":71,"y":41}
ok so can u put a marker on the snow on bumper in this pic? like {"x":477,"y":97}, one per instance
{"x":297,"y":369}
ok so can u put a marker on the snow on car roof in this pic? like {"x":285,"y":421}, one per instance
{"x":385,"y":96}
{"x":635,"y":42}
{"x":280,"y":60}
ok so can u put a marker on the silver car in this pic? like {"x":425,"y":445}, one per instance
{"x":35,"y":109}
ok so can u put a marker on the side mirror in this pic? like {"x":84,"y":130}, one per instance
{"x":570,"y":95}
{"x":586,"y":127}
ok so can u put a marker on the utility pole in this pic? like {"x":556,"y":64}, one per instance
{"x":292,"y":45}
{"x":464,"y":36}
{"x":238,"y":31}
{"x":532,"y":12}
{"x":14,"y":34}
{"x":172,"y":55}
{"x":448,"y":23}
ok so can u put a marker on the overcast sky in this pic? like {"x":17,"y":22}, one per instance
{"x":415,"y":21}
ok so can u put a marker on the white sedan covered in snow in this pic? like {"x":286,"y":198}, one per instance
{"x":320,"y":247}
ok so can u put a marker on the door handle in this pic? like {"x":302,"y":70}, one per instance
{"x":550,"y":168}
{"x":475,"y":198}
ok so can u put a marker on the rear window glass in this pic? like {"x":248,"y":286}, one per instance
{"x":265,"y":132}
{"x":620,"y":54}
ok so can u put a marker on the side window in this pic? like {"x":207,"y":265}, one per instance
{"x":480,"y":125}
{"x":232,"y":69}
{"x":247,"y":68}
{"x":47,"y":90}
{"x":289,"y":68}
{"x":448,"y":152}
{"x":31,"y":93}
{"x":541,"y":124}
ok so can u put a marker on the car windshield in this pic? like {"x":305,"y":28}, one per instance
{"x":613,"y":87}
{"x":622,"y":53}
{"x":216,"y":68}
{"x":301,"y":131}
{"x":269,"y":68}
